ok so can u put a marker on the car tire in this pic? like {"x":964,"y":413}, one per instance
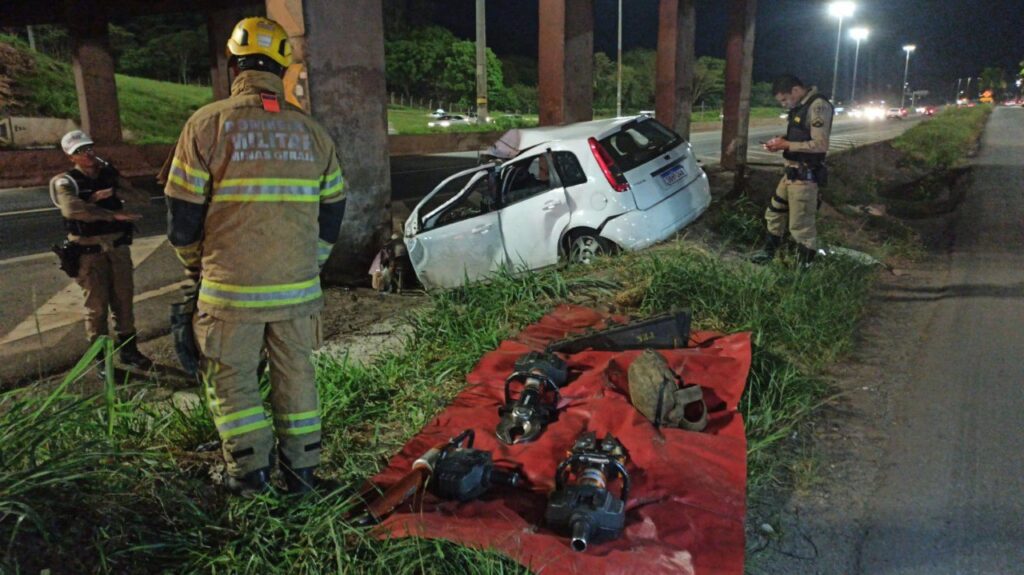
{"x":583,"y":247}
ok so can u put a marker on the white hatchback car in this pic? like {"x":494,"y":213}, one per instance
{"x":574,"y":191}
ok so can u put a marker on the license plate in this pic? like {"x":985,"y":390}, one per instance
{"x":673,"y":175}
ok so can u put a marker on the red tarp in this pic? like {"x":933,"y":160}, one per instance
{"x":686,"y":506}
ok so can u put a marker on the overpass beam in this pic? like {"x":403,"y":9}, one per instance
{"x":739,"y":62}
{"x":566,"y":61}
{"x":347,"y":94}
{"x":93,"y":67}
{"x":673,"y":100}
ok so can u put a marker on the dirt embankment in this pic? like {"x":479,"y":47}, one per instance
{"x":13,"y":64}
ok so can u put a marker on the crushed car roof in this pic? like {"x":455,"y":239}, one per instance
{"x":516,"y":140}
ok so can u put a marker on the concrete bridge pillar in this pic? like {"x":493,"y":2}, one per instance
{"x":566,"y":61}
{"x":677,"y":27}
{"x":94,"y":72}
{"x":342,"y":47}
{"x":219,"y":24}
{"x":739,"y":62}
{"x":296,"y":79}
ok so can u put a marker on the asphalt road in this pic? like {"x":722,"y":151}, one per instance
{"x":29,"y":223}
{"x":951,"y":497}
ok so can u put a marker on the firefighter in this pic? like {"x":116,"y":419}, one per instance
{"x":91,"y":197}
{"x":255,"y":202}
{"x":795,"y":203}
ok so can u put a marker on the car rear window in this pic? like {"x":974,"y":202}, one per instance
{"x":639,"y":142}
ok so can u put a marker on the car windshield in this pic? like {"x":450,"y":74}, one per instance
{"x":639,"y":142}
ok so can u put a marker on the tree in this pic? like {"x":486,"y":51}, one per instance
{"x":458,"y":81}
{"x":709,"y":80}
{"x":518,"y":98}
{"x":761,"y":96}
{"x":604,"y":82}
{"x":53,"y":41}
{"x":639,"y":68}
{"x":993,"y":78}
{"x":187,"y":48}
{"x":519,"y":70}
{"x":413,"y":64}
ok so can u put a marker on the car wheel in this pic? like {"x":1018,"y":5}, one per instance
{"x":585,"y":247}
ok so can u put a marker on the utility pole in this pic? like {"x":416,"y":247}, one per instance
{"x":481,"y":61}
{"x":618,"y":59}
{"x":31,"y":38}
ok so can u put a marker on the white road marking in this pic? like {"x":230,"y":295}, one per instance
{"x":65,"y":307}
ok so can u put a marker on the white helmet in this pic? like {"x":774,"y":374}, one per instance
{"x":74,"y":140}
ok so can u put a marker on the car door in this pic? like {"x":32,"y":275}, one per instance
{"x":453,"y":235}
{"x":535,"y":210}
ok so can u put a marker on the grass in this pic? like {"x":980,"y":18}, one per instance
{"x":152,"y":111}
{"x":945,"y":139}
{"x":155,"y":111}
{"x":147,"y":492}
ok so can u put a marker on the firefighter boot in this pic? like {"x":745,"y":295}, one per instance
{"x":772,"y":243}
{"x":805,"y":256}
{"x":130,"y":354}
{"x":300,"y":481}
{"x":251,"y":483}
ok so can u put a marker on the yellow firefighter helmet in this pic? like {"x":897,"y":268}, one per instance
{"x":261,"y":36}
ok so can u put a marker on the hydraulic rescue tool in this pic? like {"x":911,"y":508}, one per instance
{"x":523,"y":419}
{"x":449,"y":471}
{"x":665,"y":331}
{"x":581,"y":505}
{"x":463,"y":473}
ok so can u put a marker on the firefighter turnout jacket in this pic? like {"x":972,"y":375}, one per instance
{"x":255,"y":201}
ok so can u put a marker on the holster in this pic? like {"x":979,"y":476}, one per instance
{"x":70,"y":255}
{"x":805,"y":173}
{"x":184,"y":336}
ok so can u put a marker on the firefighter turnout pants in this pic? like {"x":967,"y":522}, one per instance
{"x":107,"y":284}
{"x":794,"y":206}
{"x":231,"y":353}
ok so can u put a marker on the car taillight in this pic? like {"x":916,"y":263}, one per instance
{"x":608,"y":168}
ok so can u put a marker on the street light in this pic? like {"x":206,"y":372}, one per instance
{"x":857,"y":34}
{"x":618,"y":73}
{"x":839,"y":10}
{"x":906,"y":68}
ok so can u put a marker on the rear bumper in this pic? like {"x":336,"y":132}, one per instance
{"x":639,"y":229}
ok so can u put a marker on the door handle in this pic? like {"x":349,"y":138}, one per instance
{"x":481,"y":229}
{"x":550,"y":205}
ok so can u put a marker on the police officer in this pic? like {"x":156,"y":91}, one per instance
{"x":255,"y":204}
{"x":91,"y":199}
{"x":795,"y":202}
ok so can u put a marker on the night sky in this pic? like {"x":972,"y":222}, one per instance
{"x":954,"y":38}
